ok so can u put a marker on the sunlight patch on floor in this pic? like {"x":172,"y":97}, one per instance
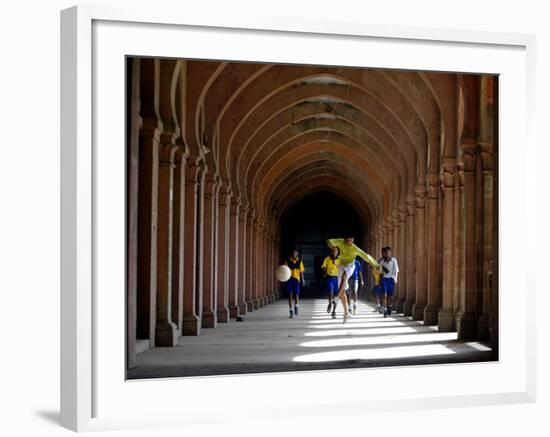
{"x":392,"y":339}
{"x":380,"y":353}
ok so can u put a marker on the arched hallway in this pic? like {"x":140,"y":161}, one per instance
{"x":223,"y":158}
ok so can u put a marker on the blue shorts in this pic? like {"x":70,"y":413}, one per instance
{"x":332,"y":285}
{"x":378,"y":289}
{"x":388,"y":285}
{"x":293,"y":286}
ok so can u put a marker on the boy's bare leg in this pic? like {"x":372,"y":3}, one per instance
{"x":342,"y":293}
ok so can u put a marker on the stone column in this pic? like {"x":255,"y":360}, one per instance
{"x":421,"y":270}
{"x":244,"y":244}
{"x":488,"y":208}
{"x":249,"y":269}
{"x":166,"y":331}
{"x":402,"y":259}
{"x":395,"y":251}
{"x":234,"y":255}
{"x":132,"y":217}
{"x":224,"y":199}
{"x":147,"y":225}
{"x":194,"y":176}
{"x":466,"y":318}
{"x":209,"y":315}
{"x":410,"y":249}
{"x":265,"y":264}
{"x":433,"y":296}
{"x":256,"y":264}
{"x":446,"y":314}
{"x":178,"y":233}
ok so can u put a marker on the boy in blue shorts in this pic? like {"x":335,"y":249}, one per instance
{"x":330,"y":268}
{"x":296,"y":280}
{"x":389,"y":270}
{"x":355,"y":283}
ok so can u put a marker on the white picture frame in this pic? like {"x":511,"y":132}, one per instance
{"x":92,"y":394}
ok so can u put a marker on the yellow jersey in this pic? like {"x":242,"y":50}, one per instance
{"x":330,"y":266}
{"x":296,"y":267}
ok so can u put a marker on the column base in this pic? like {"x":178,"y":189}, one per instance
{"x":249,"y":306}
{"x":242,"y":308}
{"x":483,"y":327}
{"x":446,"y":320}
{"x":399,"y":305}
{"x":223,"y":314}
{"x":266,"y":301}
{"x":191,"y":325}
{"x":418,"y":311}
{"x":233,"y":311}
{"x":466,"y":326}
{"x":430,"y":315}
{"x":209,"y":319}
{"x":166,"y":334}
{"x":408,"y":308}
{"x":255,"y":304}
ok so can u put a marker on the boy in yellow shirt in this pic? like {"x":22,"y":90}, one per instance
{"x":296,"y":280}
{"x":330,"y":268}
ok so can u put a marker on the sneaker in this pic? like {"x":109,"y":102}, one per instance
{"x":291,"y":316}
{"x":354,"y":308}
{"x":349,"y":310}
{"x":376,"y":310}
{"x":329,"y":307}
{"x":346,"y":318}
{"x":296,"y":310}
{"x":382,"y":310}
{"x":385,"y":313}
{"x":333,"y":315}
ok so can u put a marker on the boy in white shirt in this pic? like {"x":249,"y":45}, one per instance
{"x":389,"y":270}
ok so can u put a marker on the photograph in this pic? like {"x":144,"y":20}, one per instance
{"x":291,"y":218}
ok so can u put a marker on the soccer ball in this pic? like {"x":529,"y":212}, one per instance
{"x":283,"y":273}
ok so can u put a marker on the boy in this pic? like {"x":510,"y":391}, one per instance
{"x":296,"y":280}
{"x":348,"y":253}
{"x":356,"y":282}
{"x":389,"y":270}
{"x":330,"y":268}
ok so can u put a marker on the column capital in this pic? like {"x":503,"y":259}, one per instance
{"x":403,"y":209}
{"x":195,"y":169}
{"x":420,"y":193}
{"x":486,"y":152}
{"x":410,"y":203}
{"x":469,"y":149}
{"x":433,"y":184}
{"x":211,"y":185}
{"x":167,"y":153}
{"x":449,"y":168}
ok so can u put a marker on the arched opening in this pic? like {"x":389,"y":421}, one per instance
{"x":308,"y":224}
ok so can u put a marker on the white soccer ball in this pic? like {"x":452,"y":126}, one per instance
{"x":283,"y":273}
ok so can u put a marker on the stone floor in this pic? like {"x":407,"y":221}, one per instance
{"x":268,"y":341}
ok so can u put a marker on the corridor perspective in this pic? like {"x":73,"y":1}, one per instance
{"x":231,"y":165}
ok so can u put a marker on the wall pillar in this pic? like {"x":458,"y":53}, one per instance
{"x":249,"y":266}
{"x":224,"y":199}
{"x":147,"y":225}
{"x":410,"y":249}
{"x":487,"y":237}
{"x":209,"y":228}
{"x":256,"y":264}
{"x":446,"y":314}
{"x":402,"y":259}
{"x":433,"y":294}
{"x":166,"y":331}
{"x":234,"y":254}
{"x":466,"y":320}
{"x":132,"y":207}
{"x":420,"y":255}
{"x":194,"y":176}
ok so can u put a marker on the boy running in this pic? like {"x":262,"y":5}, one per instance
{"x":348,"y":253}
{"x":356,"y":282}
{"x":389,"y":269}
{"x":296,"y":279}
{"x":330,"y":268}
